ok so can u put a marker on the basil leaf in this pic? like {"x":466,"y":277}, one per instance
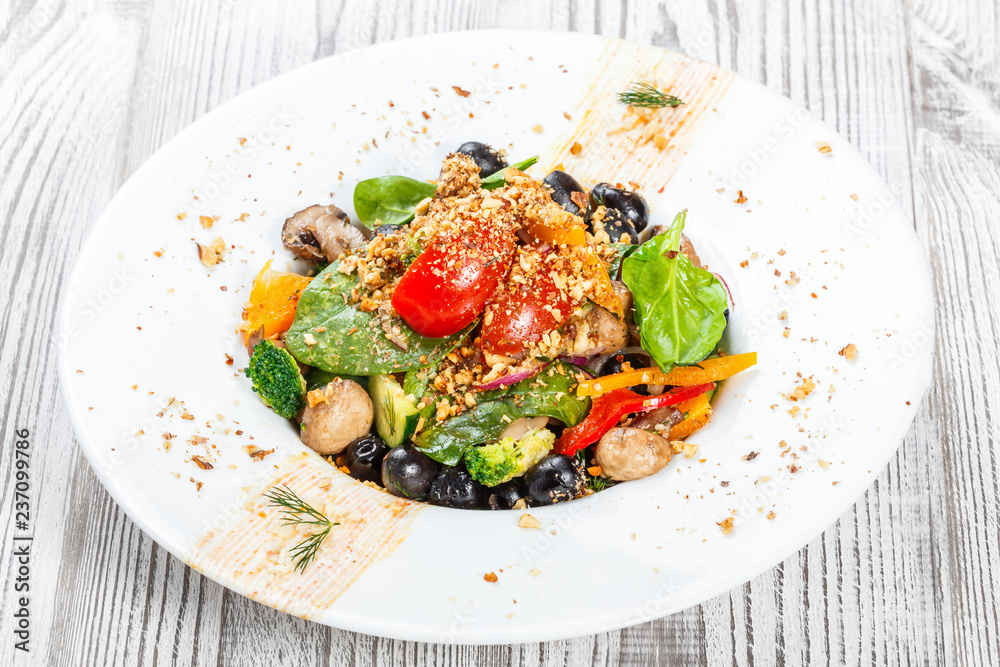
{"x":679,"y":308}
{"x":496,"y":179}
{"x":350,"y":341}
{"x":389,"y":200}
{"x":622,"y":250}
{"x":550,"y":395}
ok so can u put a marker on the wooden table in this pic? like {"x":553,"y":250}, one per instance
{"x":911,"y":575}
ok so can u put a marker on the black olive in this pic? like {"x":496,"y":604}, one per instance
{"x":725,"y":314}
{"x":616,"y":225}
{"x":629,"y":203}
{"x":504,"y":496}
{"x":563,"y":186}
{"x":554,"y":479}
{"x":454,"y":487}
{"x":387,"y":230}
{"x":364,"y":457}
{"x":614,"y":364}
{"x":487,"y":158}
{"x":408,"y":472}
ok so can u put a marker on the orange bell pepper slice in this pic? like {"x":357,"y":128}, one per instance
{"x":710,"y":370}
{"x":560,"y":227}
{"x":274,"y":298}
{"x":698,"y":411}
{"x":557,"y":226}
{"x":603,"y":292}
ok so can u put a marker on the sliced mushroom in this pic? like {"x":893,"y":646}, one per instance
{"x":320,"y":232}
{"x":519,"y":427}
{"x":600,"y":332}
{"x":625,"y":296}
{"x":629,"y":453}
{"x":667,"y":415}
{"x":254,"y":337}
{"x":459,"y":176}
{"x":687,"y":249}
{"x":335,"y":415}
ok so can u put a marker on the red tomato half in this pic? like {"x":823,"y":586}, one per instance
{"x":448,"y":285}
{"x":522,"y":313}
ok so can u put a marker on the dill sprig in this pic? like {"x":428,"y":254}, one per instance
{"x":390,"y":413}
{"x":297,"y":511}
{"x":645,"y":95}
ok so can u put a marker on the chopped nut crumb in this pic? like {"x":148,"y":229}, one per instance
{"x":802,"y":390}
{"x":490,"y":577}
{"x":202,"y":463}
{"x":726,"y":525}
{"x":850,"y":351}
{"x":528,"y":521}
{"x":213,"y":253}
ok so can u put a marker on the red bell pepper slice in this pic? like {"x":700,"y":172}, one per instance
{"x":607,"y":409}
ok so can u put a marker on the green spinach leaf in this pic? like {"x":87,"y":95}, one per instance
{"x":343,"y":339}
{"x":389,"y":200}
{"x":415,"y":385}
{"x":678,"y":306}
{"x":550,"y":395}
{"x":496,"y":179}
{"x":317,"y":378}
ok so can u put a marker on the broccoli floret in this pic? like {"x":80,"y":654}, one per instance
{"x":276,"y":378}
{"x":504,"y":460}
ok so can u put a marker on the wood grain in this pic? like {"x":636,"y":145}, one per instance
{"x":911,"y":575}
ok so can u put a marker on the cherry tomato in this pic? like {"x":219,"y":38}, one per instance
{"x":522,"y":313}
{"x":447,"y":287}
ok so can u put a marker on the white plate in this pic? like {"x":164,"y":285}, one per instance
{"x":637,"y":551}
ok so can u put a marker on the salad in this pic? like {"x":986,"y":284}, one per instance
{"x":489,"y":340}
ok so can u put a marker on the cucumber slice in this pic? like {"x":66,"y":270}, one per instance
{"x":396,"y":416}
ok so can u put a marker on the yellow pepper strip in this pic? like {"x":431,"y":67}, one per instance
{"x":698,"y":410}
{"x":710,"y":370}
{"x":274,"y":298}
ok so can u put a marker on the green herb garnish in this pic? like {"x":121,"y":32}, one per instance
{"x":496,"y":179}
{"x":298,"y":511}
{"x":645,"y":95}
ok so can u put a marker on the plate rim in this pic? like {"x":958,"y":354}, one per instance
{"x":857,"y":486}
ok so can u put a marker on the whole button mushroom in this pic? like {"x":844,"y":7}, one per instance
{"x":625,"y":454}
{"x":335,"y":415}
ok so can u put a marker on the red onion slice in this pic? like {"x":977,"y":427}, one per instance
{"x":728,"y":293}
{"x":510,"y":378}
